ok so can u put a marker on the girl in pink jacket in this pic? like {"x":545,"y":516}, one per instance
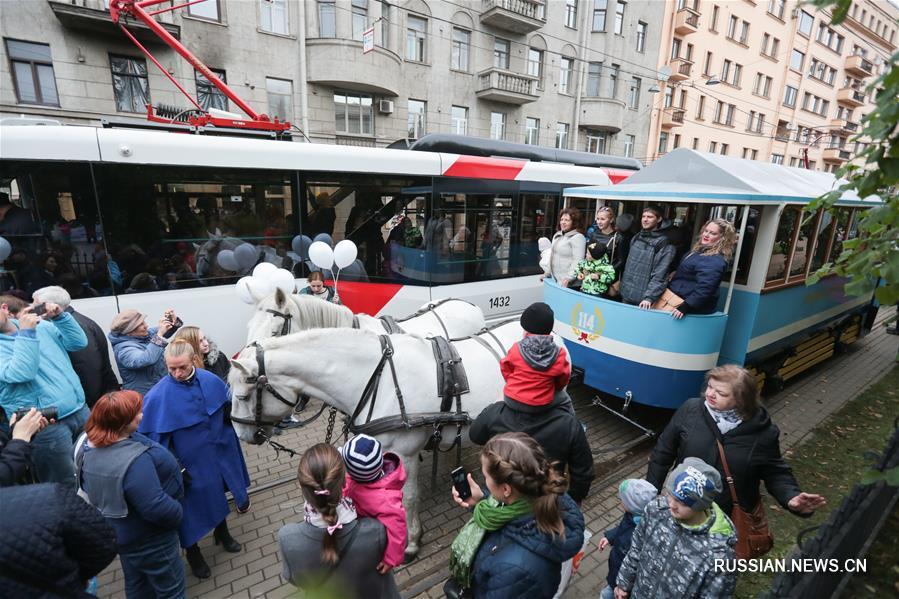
{"x":374,"y":482}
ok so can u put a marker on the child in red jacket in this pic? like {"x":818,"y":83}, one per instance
{"x":374,"y":481}
{"x":535,"y":368}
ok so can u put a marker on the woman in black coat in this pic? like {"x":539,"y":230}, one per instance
{"x":730,"y":412}
{"x":603,"y":231}
{"x":206,"y":352}
{"x":699,"y":274}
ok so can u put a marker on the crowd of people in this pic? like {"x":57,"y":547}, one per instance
{"x":143,"y":469}
{"x":640,"y":268}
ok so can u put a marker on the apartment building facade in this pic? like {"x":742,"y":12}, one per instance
{"x":769,"y":79}
{"x":568,"y":73}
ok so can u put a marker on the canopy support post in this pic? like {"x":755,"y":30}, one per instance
{"x":733,"y":270}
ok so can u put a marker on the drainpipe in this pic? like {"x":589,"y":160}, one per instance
{"x":582,"y":69}
{"x":304,"y":101}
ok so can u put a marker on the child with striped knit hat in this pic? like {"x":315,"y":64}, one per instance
{"x":374,"y":481}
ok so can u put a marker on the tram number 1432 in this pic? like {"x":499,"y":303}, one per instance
{"x":501,"y":301}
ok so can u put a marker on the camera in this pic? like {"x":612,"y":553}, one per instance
{"x":39,"y":309}
{"x":176,"y":324}
{"x":48,"y":413}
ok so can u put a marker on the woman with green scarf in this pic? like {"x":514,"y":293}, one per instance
{"x":520,"y":531}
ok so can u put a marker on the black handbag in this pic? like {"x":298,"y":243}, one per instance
{"x":453,"y":590}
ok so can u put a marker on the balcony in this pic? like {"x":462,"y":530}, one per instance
{"x":686,"y":21}
{"x":340,"y":63}
{"x":859,"y":66}
{"x":517,"y":16}
{"x":672,"y":117}
{"x":604,"y":114}
{"x":843,"y":126}
{"x":851,"y":96}
{"x":500,"y":85}
{"x":86,"y":19}
{"x":836,"y":154}
{"x":680,"y":69}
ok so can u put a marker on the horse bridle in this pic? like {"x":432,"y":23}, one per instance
{"x":285,"y":326}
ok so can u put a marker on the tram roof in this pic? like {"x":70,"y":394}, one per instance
{"x":685,"y":175}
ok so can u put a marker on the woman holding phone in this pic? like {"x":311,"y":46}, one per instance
{"x":138,"y":347}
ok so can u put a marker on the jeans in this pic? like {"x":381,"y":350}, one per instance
{"x":607,"y":592}
{"x":153,"y":568}
{"x":53,"y":448}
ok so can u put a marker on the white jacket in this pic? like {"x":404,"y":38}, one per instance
{"x":567,"y":250}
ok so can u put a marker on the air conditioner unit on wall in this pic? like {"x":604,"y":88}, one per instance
{"x":385,"y":106}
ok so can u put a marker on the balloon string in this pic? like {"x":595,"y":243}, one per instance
{"x":336,"y":280}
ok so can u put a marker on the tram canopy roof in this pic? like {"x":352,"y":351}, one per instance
{"x":685,"y":175}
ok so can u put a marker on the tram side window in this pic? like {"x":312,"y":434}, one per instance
{"x":384,"y":216}
{"x":783,"y":245}
{"x":48,"y":215}
{"x":537,"y":219}
{"x":174,"y":227}
{"x":481,"y":245}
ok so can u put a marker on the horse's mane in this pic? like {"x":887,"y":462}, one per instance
{"x":318,"y":314}
{"x":322,"y":338}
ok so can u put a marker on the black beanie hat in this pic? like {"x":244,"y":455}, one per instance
{"x":538,"y":319}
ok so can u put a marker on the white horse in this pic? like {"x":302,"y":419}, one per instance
{"x":335,"y":365}
{"x":279,"y":314}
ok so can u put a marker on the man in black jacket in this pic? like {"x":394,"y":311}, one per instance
{"x":15,"y":447}
{"x":53,"y":542}
{"x":554,"y":426}
{"x":91,"y":364}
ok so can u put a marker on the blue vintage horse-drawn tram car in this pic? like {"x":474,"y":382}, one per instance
{"x":767,"y":318}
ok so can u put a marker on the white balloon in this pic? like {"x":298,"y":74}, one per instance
{"x":264,"y":270}
{"x":344,"y":253}
{"x":5,"y":249}
{"x":543,"y":243}
{"x":283,"y":279}
{"x":243,"y":291}
{"x":245,"y":255}
{"x":226,"y":260}
{"x":259,"y":288}
{"x":321,"y":254}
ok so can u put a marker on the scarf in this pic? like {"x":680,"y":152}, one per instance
{"x":489,"y":515}
{"x":727,"y":420}
{"x":346,"y":513}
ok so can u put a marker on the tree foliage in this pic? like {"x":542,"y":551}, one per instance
{"x":873,"y":256}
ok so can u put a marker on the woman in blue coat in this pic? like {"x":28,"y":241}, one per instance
{"x":138,"y":348}
{"x":522,"y":530}
{"x":186,"y":412}
{"x":136,"y":484}
{"x":700,"y":272}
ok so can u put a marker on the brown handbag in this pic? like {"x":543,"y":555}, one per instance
{"x":668,"y":302}
{"x":754,"y":538}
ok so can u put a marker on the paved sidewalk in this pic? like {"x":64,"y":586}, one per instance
{"x":255,"y":572}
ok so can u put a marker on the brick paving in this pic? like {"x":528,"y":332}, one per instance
{"x":255,"y":572}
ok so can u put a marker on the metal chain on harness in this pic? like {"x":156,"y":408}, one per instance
{"x":332,"y":416}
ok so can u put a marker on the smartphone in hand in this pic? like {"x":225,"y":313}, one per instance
{"x":39,"y":309}
{"x":460,"y":482}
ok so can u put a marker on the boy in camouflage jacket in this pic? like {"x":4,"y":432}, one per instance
{"x":679,"y":539}
{"x":595,"y":273}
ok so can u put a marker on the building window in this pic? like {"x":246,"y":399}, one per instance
{"x":762,"y":85}
{"x":738,"y":75}
{"x":676,"y":143}
{"x":571,"y":13}
{"x":777,"y":158}
{"x":613,"y":81}
{"x":641,"y":36}
{"x":280,"y":98}
{"x":805,"y":23}
{"x":707,"y":66}
{"x":565,"y":74}
{"x":796,"y":60}
{"x":205,"y":9}
{"x":629,"y":143}
{"x":353,"y":113}
{"x":497,"y":125}
{"x":663,"y":142}
{"x":275,"y":17}
{"x":130,"y":83}
{"x":790,"y":94}
{"x":594,"y":73}
{"x":416,"y":124}
{"x":32,"y":72}
{"x":501,"y":53}
{"x":327,"y":18}
{"x":619,"y":17}
{"x":385,"y":25}
{"x":599,"y":15}
{"x":596,"y":141}
{"x":713,"y":147}
{"x":776,"y":8}
{"x":731,"y":111}
{"x":633,"y":95}
{"x":700,"y":108}
{"x":360,"y":18}
{"x":416,"y":36}
{"x":724,"y":149}
{"x":668,"y":100}
{"x":535,"y":65}
{"x":461,"y":49}
{"x":695,"y":143}
{"x":713,"y":25}
{"x":725,"y":70}
{"x":532,"y":131}
{"x":732,"y":27}
{"x":675,"y":47}
{"x":460,"y":120}
{"x":562,"y":136}
{"x":208,"y":95}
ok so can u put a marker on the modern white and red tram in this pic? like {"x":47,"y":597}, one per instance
{"x":130,"y":218}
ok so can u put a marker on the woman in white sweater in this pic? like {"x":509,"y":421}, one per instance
{"x":569,"y":246}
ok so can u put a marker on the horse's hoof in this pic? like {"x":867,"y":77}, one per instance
{"x":409,"y":556}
